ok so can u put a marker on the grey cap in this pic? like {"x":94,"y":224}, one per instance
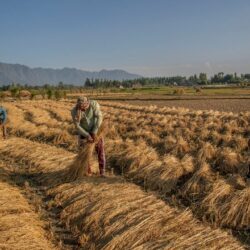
{"x":82,"y":99}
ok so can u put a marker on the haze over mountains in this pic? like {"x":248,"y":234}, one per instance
{"x":39,"y":76}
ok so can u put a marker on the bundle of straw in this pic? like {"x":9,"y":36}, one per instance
{"x":78,"y":169}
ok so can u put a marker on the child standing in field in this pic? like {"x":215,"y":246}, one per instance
{"x":3,"y":119}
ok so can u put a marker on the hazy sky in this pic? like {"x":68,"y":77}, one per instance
{"x":149,"y":37}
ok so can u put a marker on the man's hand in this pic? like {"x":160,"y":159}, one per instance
{"x":90,"y":139}
{"x":93,"y":136}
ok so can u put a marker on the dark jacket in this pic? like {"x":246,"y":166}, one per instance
{"x":3,"y":115}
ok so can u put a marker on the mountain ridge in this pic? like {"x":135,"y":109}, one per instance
{"x":23,"y":74}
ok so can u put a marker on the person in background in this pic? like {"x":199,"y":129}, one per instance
{"x":3,"y":119}
{"x":87,"y":117}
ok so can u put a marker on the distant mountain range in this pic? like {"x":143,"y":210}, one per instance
{"x":39,"y":76}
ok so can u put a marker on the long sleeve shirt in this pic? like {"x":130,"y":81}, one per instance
{"x":90,"y":120}
{"x":3,"y":115}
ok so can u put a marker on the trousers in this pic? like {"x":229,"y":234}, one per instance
{"x":2,"y":125}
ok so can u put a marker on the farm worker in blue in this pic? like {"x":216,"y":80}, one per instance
{"x":3,"y":119}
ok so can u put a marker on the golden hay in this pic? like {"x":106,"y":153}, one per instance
{"x":168,"y":144}
{"x":62,"y":139}
{"x":132,"y":220}
{"x":190,"y":138}
{"x":6,"y":93}
{"x":239,"y":143}
{"x":24,"y":93}
{"x":227,"y":207}
{"x":206,"y":153}
{"x":141,"y":163}
{"x":20,"y":226}
{"x":21,"y":127}
{"x":237,"y":181}
{"x":229,"y":161}
{"x":182,"y":147}
{"x":213,"y":201}
{"x":112,"y":214}
{"x":199,"y":184}
{"x":78,"y":169}
{"x":235,"y":211}
{"x":39,"y":155}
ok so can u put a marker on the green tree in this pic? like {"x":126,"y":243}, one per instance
{"x":229,"y":78}
{"x":33,"y":94}
{"x":60,"y":85}
{"x":221,"y":75}
{"x":65,"y":94}
{"x":58,"y":94}
{"x":50,"y":93}
{"x":203,"y":78}
{"x":43,"y":92}
{"x":88,"y":83}
{"x":14,"y":91}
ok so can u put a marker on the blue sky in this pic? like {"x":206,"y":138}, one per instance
{"x":149,"y":37}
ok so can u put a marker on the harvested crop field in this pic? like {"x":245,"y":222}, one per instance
{"x":227,"y":105}
{"x":177,"y":179}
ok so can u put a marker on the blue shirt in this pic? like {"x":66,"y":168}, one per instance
{"x":3,"y":115}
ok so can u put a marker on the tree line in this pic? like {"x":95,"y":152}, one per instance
{"x":201,"y":79}
{"x":61,"y":89}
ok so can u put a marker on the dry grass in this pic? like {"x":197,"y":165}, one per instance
{"x":235,"y":211}
{"x":199,"y":155}
{"x":20,"y":226}
{"x":132,"y":220}
{"x":56,"y":135}
{"x":113,"y":214}
{"x":199,"y":184}
{"x":79,"y":168}
{"x":229,"y":161}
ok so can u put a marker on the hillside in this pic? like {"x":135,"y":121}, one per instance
{"x":38,"y":76}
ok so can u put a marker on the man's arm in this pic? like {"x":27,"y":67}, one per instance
{"x":99,"y":118}
{"x":80,"y":130}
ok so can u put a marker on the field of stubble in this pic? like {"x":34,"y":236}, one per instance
{"x":177,"y":179}
{"x":224,"y":105}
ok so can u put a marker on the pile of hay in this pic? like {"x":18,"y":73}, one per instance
{"x":63,"y":139}
{"x":133,"y":220}
{"x":199,"y":184}
{"x":5,"y":94}
{"x":79,"y":168}
{"x":20,"y":226}
{"x":22,"y":127}
{"x":235,"y":211}
{"x":179,"y":91}
{"x":220,"y":191}
{"x":228,"y":207}
{"x":24,"y":94}
{"x":206,"y":153}
{"x":229,"y":162}
{"x":140,"y":162}
{"x":113,"y":214}
{"x":35,"y":156}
